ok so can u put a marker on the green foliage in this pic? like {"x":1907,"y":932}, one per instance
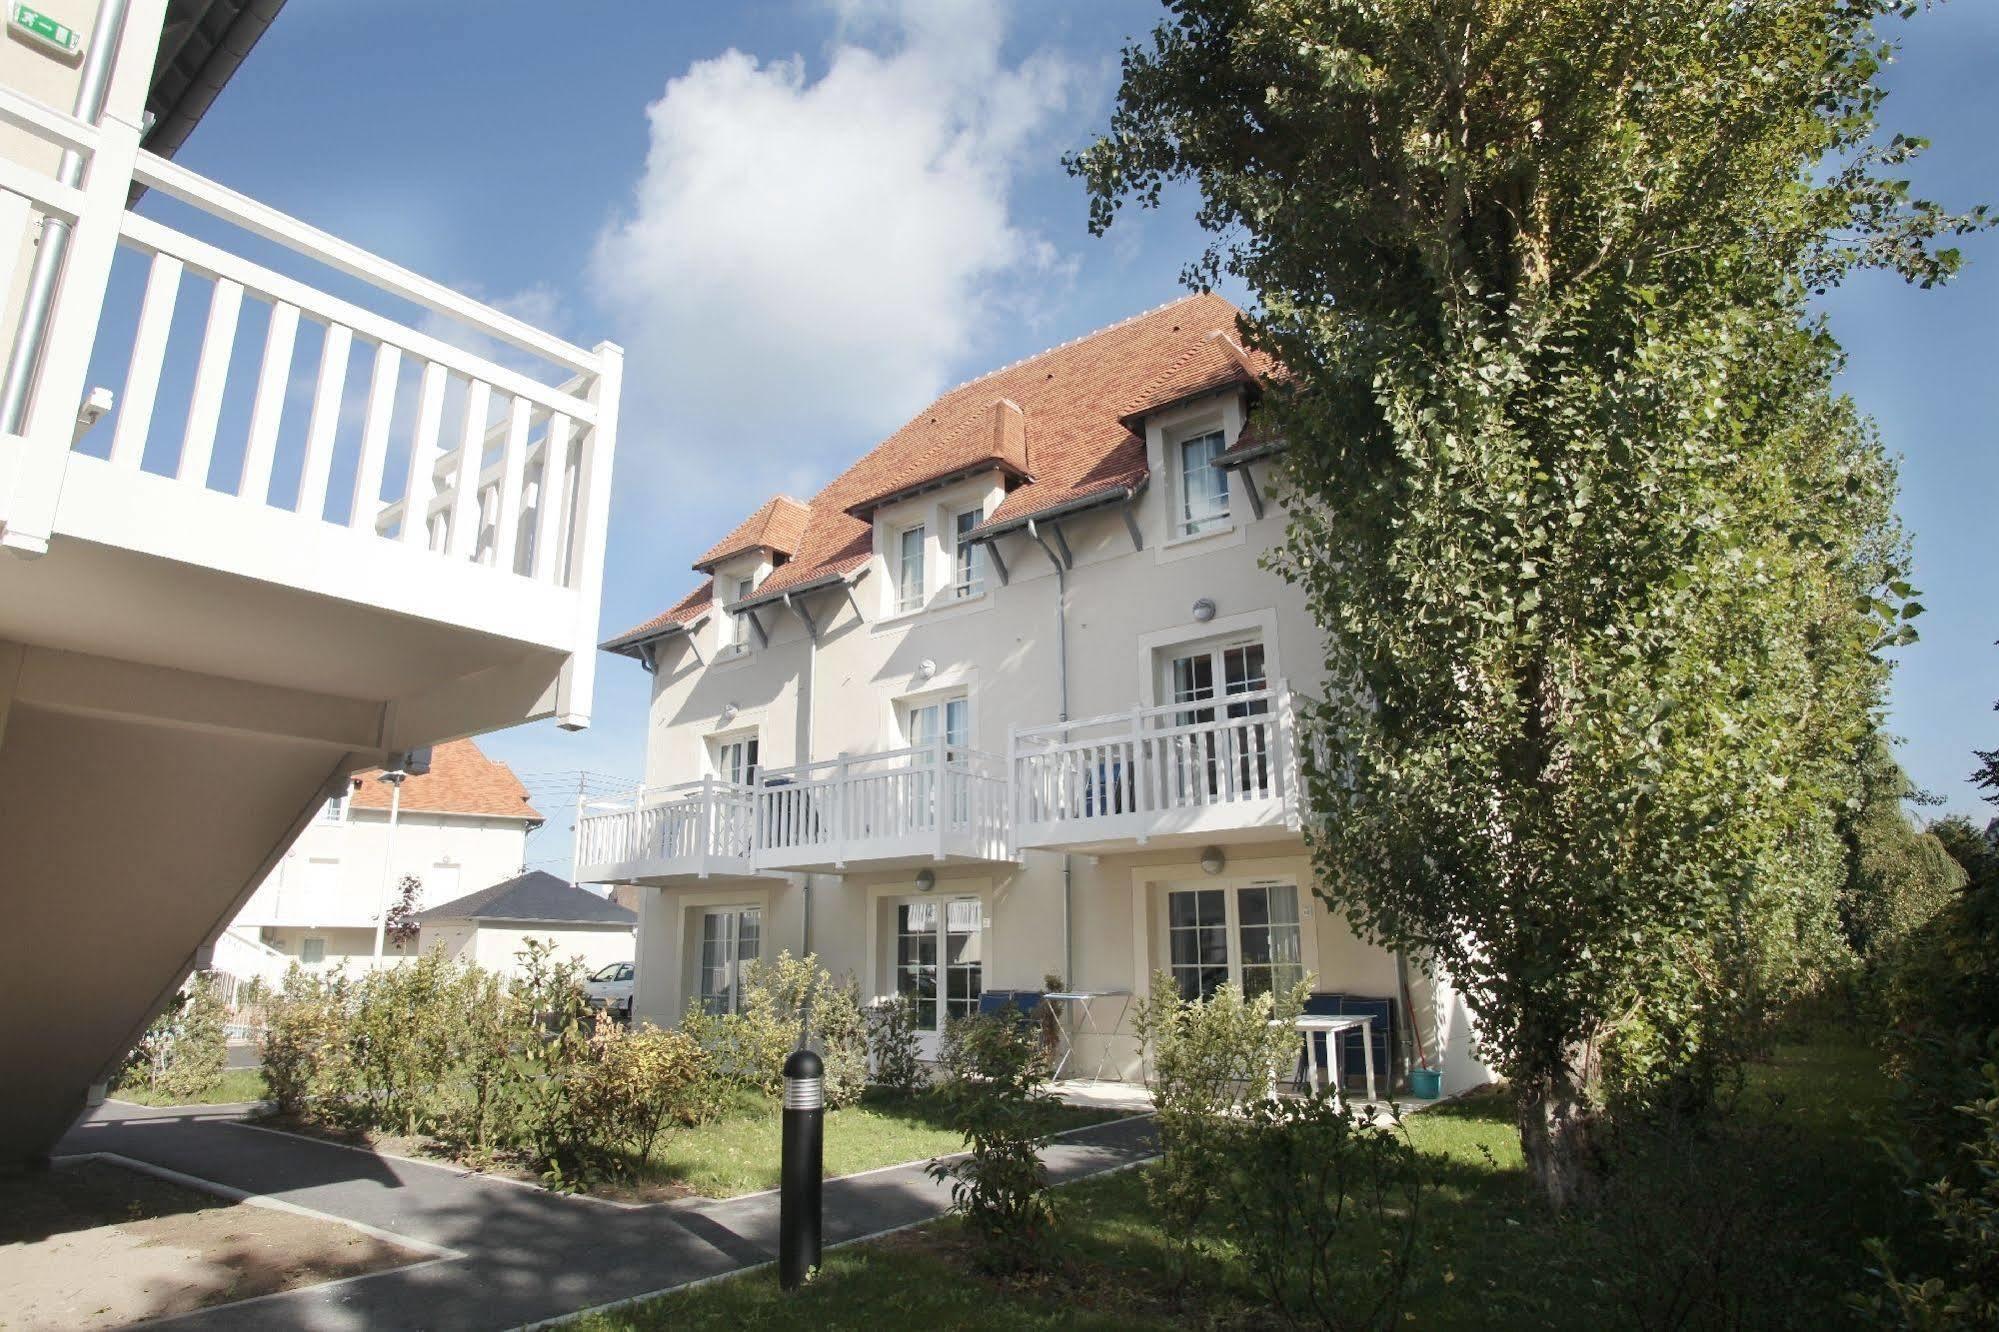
{"x":1208,"y":1057}
{"x":1600,"y":557}
{"x":892,"y":1044}
{"x":1966,"y":1213}
{"x":1324,"y":1206}
{"x":181,"y":1056}
{"x":514,"y":1065}
{"x":1898,"y":875}
{"x":636,"y":1083}
{"x":993,"y":1069}
{"x":782,"y":999}
{"x":1942,"y":997}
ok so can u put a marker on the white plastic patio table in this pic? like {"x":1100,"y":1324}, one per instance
{"x":1314,"y":1023}
{"x":1068,"y":1006}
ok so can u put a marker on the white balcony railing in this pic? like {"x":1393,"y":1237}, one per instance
{"x":513,"y":496}
{"x":1212,"y":767}
{"x":695,"y":830}
{"x":934,"y":801}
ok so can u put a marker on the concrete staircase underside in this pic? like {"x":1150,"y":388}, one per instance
{"x":124,"y":845}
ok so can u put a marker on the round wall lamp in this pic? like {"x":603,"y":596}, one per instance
{"x":1204,"y":610}
{"x":729,"y":711}
{"x":1212,"y":860}
{"x":925,"y":669}
{"x":925,"y":880}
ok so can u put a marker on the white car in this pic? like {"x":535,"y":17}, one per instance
{"x":610,"y":988}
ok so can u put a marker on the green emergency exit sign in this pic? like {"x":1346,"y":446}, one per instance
{"x":39,"y":28}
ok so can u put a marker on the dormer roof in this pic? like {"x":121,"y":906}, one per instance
{"x":778,"y":526}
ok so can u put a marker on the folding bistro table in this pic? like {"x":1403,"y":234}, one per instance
{"x":1074,"y":1016}
{"x":1314,"y":1024}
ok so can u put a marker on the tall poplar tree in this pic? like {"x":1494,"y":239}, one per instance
{"x":1602,"y":562}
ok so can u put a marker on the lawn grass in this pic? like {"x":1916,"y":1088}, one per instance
{"x":237,"y":1085}
{"x":1759,"y":1223}
{"x":738,"y":1153}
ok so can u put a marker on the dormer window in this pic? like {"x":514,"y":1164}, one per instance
{"x":969,"y":560}
{"x":739,"y":627}
{"x":1204,"y":488}
{"x":909,"y":569}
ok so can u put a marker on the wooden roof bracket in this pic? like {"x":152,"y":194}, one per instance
{"x":797,"y":607}
{"x":1130,"y":511}
{"x":1034,"y":531}
{"x":1249,"y":489}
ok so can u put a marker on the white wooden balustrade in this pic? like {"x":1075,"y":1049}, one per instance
{"x":933,"y":802}
{"x":695,"y":830}
{"x":492,"y":516}
{"x":1183,"y":770}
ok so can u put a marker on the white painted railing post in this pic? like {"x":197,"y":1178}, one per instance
{"x":837,"y":806}
{"x":574,"y":689}
{"x":28,"y":514}
{"x":1285,"y":761}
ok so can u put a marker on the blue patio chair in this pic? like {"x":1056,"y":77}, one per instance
{"x":1352,"y":1061}
{"x":1023,"y":1003}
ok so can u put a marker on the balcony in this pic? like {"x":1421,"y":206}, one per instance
{"x":259,"y":531}
{"x":893,"y":810}
{"x":1218,"y":771}
{"x":698,"y":830}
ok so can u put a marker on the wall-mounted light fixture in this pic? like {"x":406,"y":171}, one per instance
{"x":728,"y":713}
{"x":1212,"y":860}
{"x":925,"y":669}
{"x":926,"y":879}
{"x":1204,"y":610}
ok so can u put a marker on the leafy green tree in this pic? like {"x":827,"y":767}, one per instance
{"x":1898,"y":874}
{"x":1600,"y":559}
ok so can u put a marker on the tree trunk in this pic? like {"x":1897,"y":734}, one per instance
{"x":1558,"y":1129}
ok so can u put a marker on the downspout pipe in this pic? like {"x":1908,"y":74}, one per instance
{"x":1062,"y":694}
{"x":106,"y":35}
{"x":805,"y":726}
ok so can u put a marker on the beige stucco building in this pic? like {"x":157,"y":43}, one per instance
{"x":1009,"y":700}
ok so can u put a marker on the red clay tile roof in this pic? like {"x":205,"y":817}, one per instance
{"x":1214,"y":362}
{"x":689,"y":609}
{"x":776,"y":526}
{"x":1076,"y":405}
{"x":461,"y":780}
{"x":996,"y":438}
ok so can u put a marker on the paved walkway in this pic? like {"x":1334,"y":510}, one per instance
{"x":527,"y":1255}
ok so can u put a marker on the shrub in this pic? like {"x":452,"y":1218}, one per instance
{"x":892,"y":1044}
{"x":554,"y":1025}
{"x":408,"y":1034}
{"x":1322,"y":1203}
{"x":780,"y":998}
{"x":182,"y":1053}
{"x":489,"y":1035}
{"x":994,"y":1069}
{"x":305,"y":1046}
{"x":1965,"y":1212}
{"x":636,"y":1083}
{"x":1206,"y":1057}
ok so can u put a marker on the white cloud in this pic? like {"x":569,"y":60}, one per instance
{"x":806,"y":260}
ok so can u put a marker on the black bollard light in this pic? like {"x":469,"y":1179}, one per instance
{"x":801,"y":1167}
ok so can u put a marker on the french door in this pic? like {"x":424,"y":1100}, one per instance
{"x":939,"y":961}
{"x":729,"y":939}
{"x":924,"y":723}
{"x":1248,"y":934}
{"x":1204,"y":758}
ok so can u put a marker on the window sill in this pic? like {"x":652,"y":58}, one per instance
{"x":1179,"y":547}
{"x":944,"y":608}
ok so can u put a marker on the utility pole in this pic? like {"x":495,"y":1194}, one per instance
{"x":395,"y":778}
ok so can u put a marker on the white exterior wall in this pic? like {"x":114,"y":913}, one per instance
{"x":334,"y":875}
{"x":496,"y":946}
{"x":1000,"y":648}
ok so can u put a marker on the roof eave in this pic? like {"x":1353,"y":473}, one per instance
{"x":834,"y":578}
{"x":867,"y":508}
{"x":1134,"y":421}
{"x":628,"y":645}
{"x":1118,"y":494}
{"x":1249,"y":455}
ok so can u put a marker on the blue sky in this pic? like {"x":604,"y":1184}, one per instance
{"x":804,"y":219}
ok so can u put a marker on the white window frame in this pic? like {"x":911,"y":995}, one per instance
{"x":305,"y":943}
{"x":941,"y":1004}
{"x":723,"y":766}
{"x":1232,"y":892}
{"x":907,"y":710}
{"x":739,"y":628}
{"x":335,"y":809}
{"x":968,"y":559}
{"x":731,"y":940}
{"x":904,"y":599}
{"x":1186,"y":525}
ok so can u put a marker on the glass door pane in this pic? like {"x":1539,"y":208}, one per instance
{"x":1197,"y":939}
{"x":916,"y":931}
{"x":963,"y":956}
{"x":1268,"y":937}
{"x":1248,"y":744}
{"x":1191,"y":679}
